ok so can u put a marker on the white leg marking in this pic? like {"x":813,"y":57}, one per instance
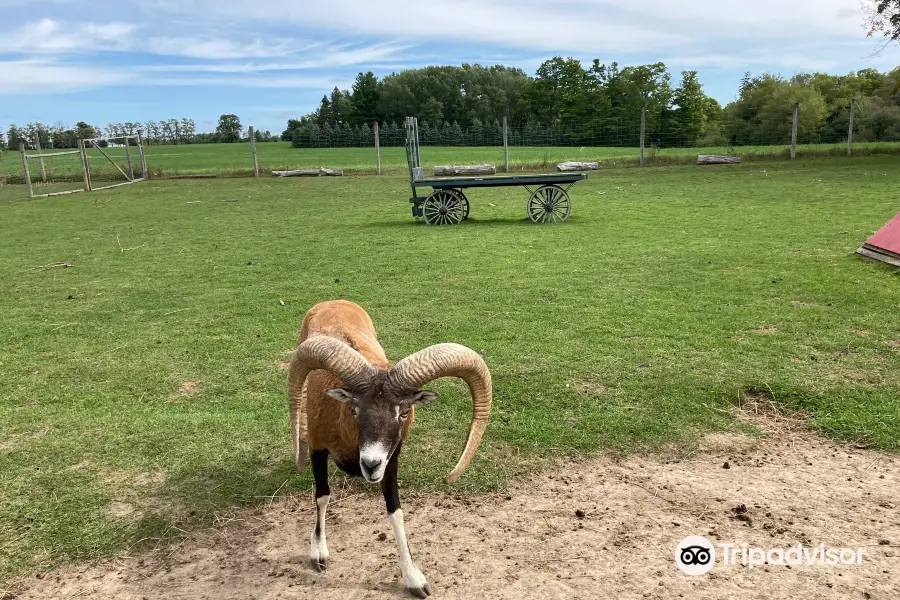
{"x":412,"y":577}
{"x":318,"y":547}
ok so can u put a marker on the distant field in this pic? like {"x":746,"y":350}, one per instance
{"x":235,"y":159}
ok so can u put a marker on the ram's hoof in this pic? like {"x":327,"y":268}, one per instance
{"x":318,"y":564}
{"x":420,"y":592}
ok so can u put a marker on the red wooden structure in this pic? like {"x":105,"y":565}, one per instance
{"x":885,"y":244}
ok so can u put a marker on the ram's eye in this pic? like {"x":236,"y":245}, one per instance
{"x":404,"y":414}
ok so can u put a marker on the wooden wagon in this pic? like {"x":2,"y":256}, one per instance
{"x":447,"y":204}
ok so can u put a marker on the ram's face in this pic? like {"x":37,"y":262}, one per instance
{"x":381,"y":417}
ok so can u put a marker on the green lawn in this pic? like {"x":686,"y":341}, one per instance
{"x":140,"y":388}
{"x":236,"y":159}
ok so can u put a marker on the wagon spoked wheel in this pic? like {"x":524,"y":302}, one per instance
{"x":549,"y":204}
{"x":443,"y":207}
{"x":465,"y":202}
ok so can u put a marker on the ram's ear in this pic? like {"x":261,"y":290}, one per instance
{"x":424,"y":397}
{"x":340,"y":394}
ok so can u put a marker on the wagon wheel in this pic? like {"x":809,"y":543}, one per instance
{"x":465,"y":202}
{"x":443,"y":207}
{"x":549,"y":204}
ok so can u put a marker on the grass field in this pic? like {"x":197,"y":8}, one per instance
{"x":236,"y":159}
{"x":141,"y":388}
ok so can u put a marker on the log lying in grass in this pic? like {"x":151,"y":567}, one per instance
{"x":716,"y":159}
{"x":465,"y":169}
{"x":309,"y":173}
{"x":577,"y":166}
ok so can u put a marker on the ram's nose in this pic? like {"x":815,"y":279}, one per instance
{"x":370,"y":466}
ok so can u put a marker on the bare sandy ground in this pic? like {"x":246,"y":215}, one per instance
{"x":601,"y":528}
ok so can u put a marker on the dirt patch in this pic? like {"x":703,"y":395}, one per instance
{"x":283,"y":365}
{"x":893,"y":343}
{"x":150,"y":478}
{"x":765,"y":330}
{"x":859,"y":331}
{"x":603,"y":523}
{"x":591,"y":388}
{"x":120,"y":510}
{"x":15,"y":442}
{"x":803,"y":304}
{"x":188,"y":388}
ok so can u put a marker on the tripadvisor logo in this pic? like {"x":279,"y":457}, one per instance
{"x":696,"y":555}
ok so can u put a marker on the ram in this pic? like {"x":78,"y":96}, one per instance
{"x":347,"y":401}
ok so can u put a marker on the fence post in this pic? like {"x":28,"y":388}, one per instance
{"x":505,"y":146}
{"x":253,"y":150}
{"x":128,"y":157}
{"x":25,"y":165}
{"x":37,"y":146}
{"x":850,"y":131}
{"x":143,"y":158}
{"x":87,"y":165}
{"x":643,"y":133}
{"x":84,"y":171}
{"x":377,"y":132}
{"x":794,"y":131}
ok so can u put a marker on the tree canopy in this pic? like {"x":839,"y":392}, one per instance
{"x":883,"y":16}
{"x":569,"y":103}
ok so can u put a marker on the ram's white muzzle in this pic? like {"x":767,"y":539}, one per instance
{"x":373,"y":460}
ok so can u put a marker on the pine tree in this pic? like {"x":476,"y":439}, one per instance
{"x":476,"y":133}
{"x":456,"y":135}
{"x":365,"y":136}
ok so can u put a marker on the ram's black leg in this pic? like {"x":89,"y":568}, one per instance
{"x":318,"y":548}
{"x":412,"y":577}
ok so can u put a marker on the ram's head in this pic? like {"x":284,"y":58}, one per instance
{"x":381,"y":400}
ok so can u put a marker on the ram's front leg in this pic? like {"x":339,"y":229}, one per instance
{"x":412,"y":577}
{"x":318,"y":548}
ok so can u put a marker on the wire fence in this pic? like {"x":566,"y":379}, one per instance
{"x":663,"y":129}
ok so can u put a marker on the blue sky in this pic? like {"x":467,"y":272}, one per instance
{"x":268,"y":60}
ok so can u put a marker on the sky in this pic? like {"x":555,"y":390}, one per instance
{"x":105,"y":61}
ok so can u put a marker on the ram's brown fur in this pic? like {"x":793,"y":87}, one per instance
{"x":330,"y":424}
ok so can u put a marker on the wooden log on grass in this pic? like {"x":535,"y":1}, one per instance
{"x":716,"y":159}
{"x":485,"y":169}
{"x":309,"y":173}
{"x":577,"y":166}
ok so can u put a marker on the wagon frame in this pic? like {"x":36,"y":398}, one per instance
{"x":447,"y":204}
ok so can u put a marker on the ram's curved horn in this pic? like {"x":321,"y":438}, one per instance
{"x":320,"y":352}
{"x":450,"y":360}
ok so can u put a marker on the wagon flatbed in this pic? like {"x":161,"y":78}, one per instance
{"x":448,"y":205}
{"x":440,"y":183}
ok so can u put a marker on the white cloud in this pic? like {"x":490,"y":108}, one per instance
{"x":37,"y":77}
{"x":606,"y":26}
{"x":215,"y":48}
{"x":50,"y":36}
{"x":324,"y":56}
{"x":288,"y":81}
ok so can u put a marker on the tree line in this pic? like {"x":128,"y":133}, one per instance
{"x":168,"y":131}
{"x":568,"y":103}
